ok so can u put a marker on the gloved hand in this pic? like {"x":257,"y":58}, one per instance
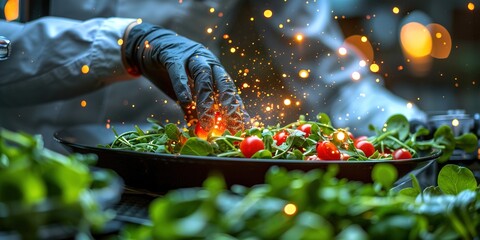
{"x":177,"y":65}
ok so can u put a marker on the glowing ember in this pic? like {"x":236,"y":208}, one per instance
{"x":268,"y":13}
{"x":83,"y":103}
{"x":280,"y":25}
{"x":299,"y":37}
{"x":374,"y":68}
{"x":364,"y":39}
{"x":356,"y":76}
{"x":455,"y":122}
{"x":303,"y":73}
{"x":471,"y":6}
{"x":209,"y":30}
{"x":395,"y":10}
{"x":85,"y":69}
{"x":287,"y":102}
{"x":147,"y":44}
{"x":232,"y":50}
{"x":290,"y":209}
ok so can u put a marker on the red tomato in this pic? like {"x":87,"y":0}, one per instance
{"x":350,"y":135}
{"x":366,"y":146}
{"x":326,"y":150}
{"x":305,"y":128}
{"x":280,"y":137}
{"x":344,"y":156}
{"x":250,"y":145}
{"x":401,"y":153}
{"x":358,"y":139}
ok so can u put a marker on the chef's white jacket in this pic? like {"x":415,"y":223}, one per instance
{"x":43,"y":88}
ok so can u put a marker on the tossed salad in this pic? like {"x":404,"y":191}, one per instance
{"x":301,"y":140}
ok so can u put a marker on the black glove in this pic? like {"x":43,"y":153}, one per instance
{"x":176,"y":65}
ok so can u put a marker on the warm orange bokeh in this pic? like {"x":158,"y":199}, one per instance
{"x":11,"y":10}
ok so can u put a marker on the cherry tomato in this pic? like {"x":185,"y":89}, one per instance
{"x":401,"y":153}
{"x":326,"y":150}
{"x":358,"y":139}
{"x":250,"y":145}
{"x":280,"y":137}
{"x":366,"y":147}
{"x":305,"y":128}
{"x":344,"y":156}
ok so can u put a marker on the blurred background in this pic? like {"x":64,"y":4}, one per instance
{"x":425,"y":51}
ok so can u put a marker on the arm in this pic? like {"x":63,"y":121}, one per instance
{"x":329,"y":87}
{"x":48,"y":56}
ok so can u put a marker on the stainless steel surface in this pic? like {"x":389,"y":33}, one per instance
{"x":5,"y":48}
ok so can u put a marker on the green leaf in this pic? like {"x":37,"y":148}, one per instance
{"x":468,"y":142}
{"x":197,"y":147}
{"x":409,"y":191}
{"x":263,"y":154}
{"x":444,"y":136}
{"x":324,"y":119}
{"x":399,"y":124}
{"x":454,"y":179}
{"x":172,"y":131}
{"x":385,"y":174}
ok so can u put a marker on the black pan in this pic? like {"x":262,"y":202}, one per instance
{"x":162,"y":172}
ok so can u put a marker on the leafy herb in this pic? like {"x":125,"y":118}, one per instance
{"x":39,"y":187}
{"x":305,"y":205}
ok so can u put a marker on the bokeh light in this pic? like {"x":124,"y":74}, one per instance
{"x":290,"y":209}
{"x":303,"y":73}
{"x":395,"y":10}
{"x":85,"y":69}
{"x":268,"y":13}
{"x":11,"y":10}
{"x":441,"y":41}
{"x":416,"y":40}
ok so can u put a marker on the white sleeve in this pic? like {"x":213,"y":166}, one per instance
{"x":329,"y":87}
{"x":56,"y":58}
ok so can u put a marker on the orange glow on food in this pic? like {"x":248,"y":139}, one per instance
{"x":416,"y":40}
{"x":11,"y":10}
{"x":83,"y":103}
{"x":268,"y":13}
{"x":85,"y":69}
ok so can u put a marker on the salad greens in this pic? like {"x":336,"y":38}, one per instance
{"x":301,"y":140}
{"x":40,"y":187}
{"x":316,"y":205}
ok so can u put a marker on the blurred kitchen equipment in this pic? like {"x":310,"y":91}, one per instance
{"x":5,"y":48}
